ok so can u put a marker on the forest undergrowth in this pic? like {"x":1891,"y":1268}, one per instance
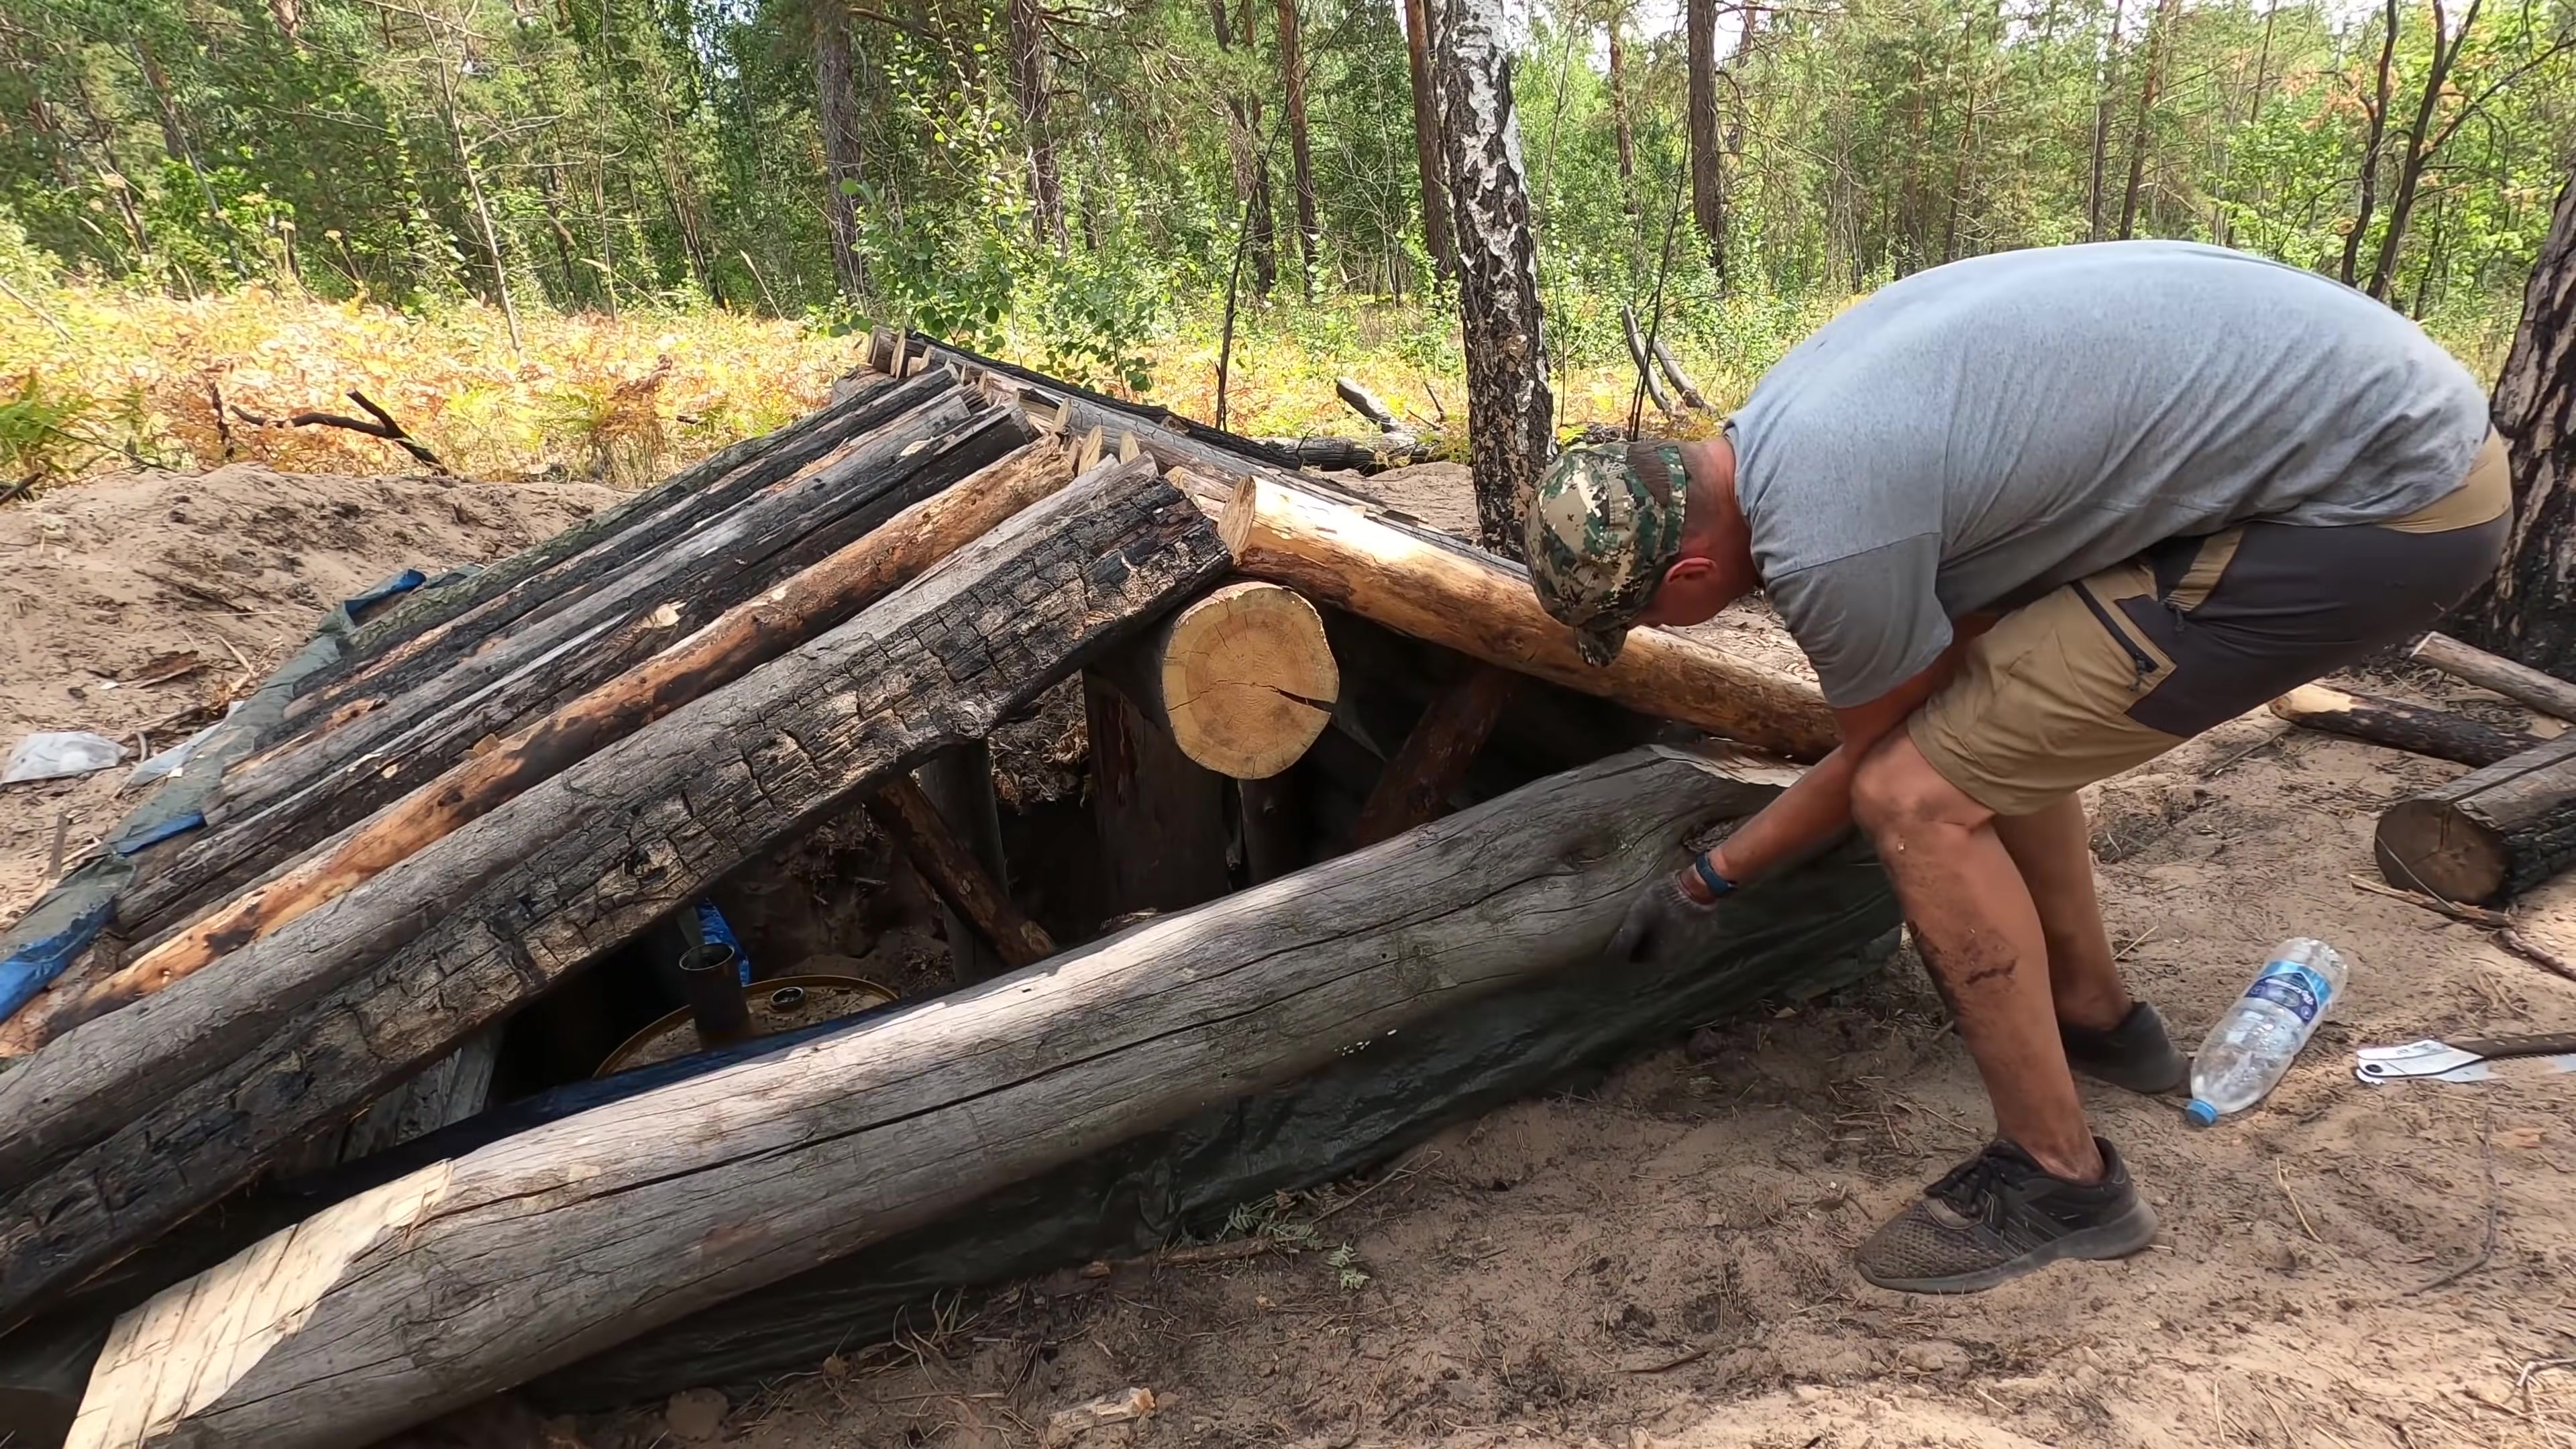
{"x":100,"y":378}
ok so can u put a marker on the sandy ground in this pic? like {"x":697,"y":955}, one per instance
{"x":1659,"y":1258}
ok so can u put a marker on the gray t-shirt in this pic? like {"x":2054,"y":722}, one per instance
{"x":2009,"y":423}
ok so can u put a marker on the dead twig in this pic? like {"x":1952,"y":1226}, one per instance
{"x":383,"y":427}
{"x":1402,"y":1169}
{"x":2532,"y":1370}
{"x":2473,"y":915}
{"x":2486,"y":1250}
{"x":2281,"y":1177}
{"x":1192,"y":1255}
{"x":2522,"y":946}
{"x":62,"y":833}
{"x":1694,"y":1356}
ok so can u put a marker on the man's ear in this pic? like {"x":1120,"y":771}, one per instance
{"x":1690,"y":569}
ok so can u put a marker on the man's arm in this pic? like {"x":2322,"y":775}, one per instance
{"x":1813,"y":812}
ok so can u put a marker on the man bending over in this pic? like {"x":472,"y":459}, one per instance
{"x":2036,"y":518}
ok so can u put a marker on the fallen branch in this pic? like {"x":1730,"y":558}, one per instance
{"x":383,"y":427}
{"x":2473,"y":915}
{"x":1645,"y":366}
{"x":2523,"y":946}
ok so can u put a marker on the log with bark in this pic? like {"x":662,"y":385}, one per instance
{"x":339,"y":777}
{"x":904,"y":812}
{"x":566,"y":1239}
{"x":2489,"y":835}
{"x":2520,"y":683}
{"x":121,"y":1128}
{"x":736,"y":642}
{"x":1427,"y":585}
{"x":2400,"y":726}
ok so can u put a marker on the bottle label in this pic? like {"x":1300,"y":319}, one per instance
{"x":2287,"y":984}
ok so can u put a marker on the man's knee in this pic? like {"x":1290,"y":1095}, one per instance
{"x":1895,"y":790}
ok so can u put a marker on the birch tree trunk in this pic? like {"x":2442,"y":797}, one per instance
{"x":1510,"y":412}
{"x":2528,"y":612}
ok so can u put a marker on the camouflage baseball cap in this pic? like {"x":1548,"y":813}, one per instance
{"x":1606,"y":524}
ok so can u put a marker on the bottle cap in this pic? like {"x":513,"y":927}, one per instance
{"x":2201,"y":1113}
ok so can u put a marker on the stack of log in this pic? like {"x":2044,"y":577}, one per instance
{"x":1328,"y":753}
{"x":2489,"y":835}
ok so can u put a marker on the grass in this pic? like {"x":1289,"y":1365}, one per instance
{"x":96,"y":379}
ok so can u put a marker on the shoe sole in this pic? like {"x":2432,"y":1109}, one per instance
{"x":2128,"y":1233}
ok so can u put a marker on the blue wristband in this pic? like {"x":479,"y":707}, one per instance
{"x":1718,"y":885}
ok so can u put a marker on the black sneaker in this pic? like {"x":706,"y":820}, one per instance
{"x":1999,"y":1215}
{"x":2136,"y":1054}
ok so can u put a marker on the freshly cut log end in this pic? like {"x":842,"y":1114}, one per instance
{"x":1248,"y":680}
{"x":2488,"y":835}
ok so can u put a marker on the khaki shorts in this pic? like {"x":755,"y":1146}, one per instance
{"x":2115,"y":669}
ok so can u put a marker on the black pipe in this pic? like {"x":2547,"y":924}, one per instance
{"x":709,"y":976}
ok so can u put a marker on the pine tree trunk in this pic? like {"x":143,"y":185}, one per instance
{"x":2421,"y":143}
{"x":2368,"y":198}
{"x":2102,"y":124}
{"x":2528,"y":612}
{"x":1707,"y":155}
{"x":2159,"y":37}
{"x":1622,"y":132}
{"x":1251,"y":165}
{"x":1436,"y":231}
{"x":836,"y":109}
{"x":1029,"y":97}
{"x":1510,"y":413}
{"x":1292,"y":80}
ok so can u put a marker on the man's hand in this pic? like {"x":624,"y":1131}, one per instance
{"x":1670,"y":914}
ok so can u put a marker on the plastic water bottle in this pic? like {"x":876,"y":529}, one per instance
{"x":2252,"y":1046}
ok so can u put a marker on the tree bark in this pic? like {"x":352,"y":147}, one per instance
{"x":2400,"y":726}
{"x":2489,"y":835}
{"x":1431,"y":587}
{"x":1437,"y":234}
{"x":746,"y":636}
{"x":2366,"y":198}
{"x":1623,"y":134}
{"x":2528,"y":612}
{"x":1510,"y":413}
{"x":1292,"y":82}
{"x":345,"y":774}
{"x":958,"y":783}
{"x":2159,"y":39}
{"x":2109,"y":84}
{"x":148,"y":1116}
{"x":905,"y":813}
{"x":1707,"y":152}
{"x":836,"y":111}
{"x":1027,"y":27}
{"x":1158,"y":814}
{"x":581,"y":1234}
{"x":2525,"y":686}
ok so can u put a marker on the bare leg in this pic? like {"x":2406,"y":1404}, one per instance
{"x":2051,"y":848}
{"x":1980,"y":934}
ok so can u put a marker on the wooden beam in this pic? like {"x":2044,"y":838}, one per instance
{"x":117,"y":1131}
{"x":2520,"y":683}
{"x":2490,"y":834}
{"x":959,"y":784}
{"x":1416,"y":785}
{"x":741,"y":639}
{"x":905,"y":813}
{"x":1274,"y":828}
{"x":536,"y":1250}
{"x":1434,"y":588}
{"x":2400,"y":726}
{"x":1159,"y":815}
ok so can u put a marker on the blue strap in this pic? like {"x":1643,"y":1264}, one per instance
{"x":1718,"y":885}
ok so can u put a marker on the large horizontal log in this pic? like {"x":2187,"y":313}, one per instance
{"x":736,"y":642}
{"x":2399,"y":725}
{"x":2520,"y":683}
{"x":363,"y":765}
{"x":559,"y":1242}
{"x":2490,"y":834}
{"x":122,"y":1127}
{"x":1434,"y":588}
